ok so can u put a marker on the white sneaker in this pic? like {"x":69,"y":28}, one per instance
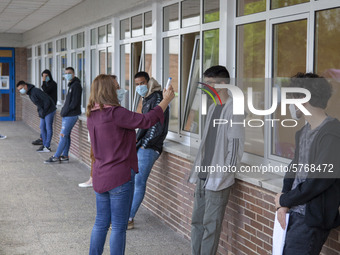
{"x":43,"y":149}
{"x":2,"y":137}
{"x":85,"y":185}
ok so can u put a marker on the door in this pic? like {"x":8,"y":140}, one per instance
{"x":7,"y":88}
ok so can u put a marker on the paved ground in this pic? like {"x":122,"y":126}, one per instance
{"x":42,"y":210}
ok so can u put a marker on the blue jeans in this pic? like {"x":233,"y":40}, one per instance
{"x":65,"y":140}
{"x":146,"y":159}
{"x":46,"y":129}
{"x":113,"y":207}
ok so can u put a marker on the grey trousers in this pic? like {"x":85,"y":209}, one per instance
{"x":207,"y":217}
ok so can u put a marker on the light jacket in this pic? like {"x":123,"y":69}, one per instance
{"x":220,"y":180}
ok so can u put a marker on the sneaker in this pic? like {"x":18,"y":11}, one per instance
{"x":2,"y":137}
{"x":85,"y":185}
{"x":130,"y":225}
{"x":64,"y":159}
{"x":37,"y":142}
{"x":41,"y":148}
{"x":52,"y":160}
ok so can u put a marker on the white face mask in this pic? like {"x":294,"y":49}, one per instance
{"x":22,"y":91}
{"x":120,"y":94}
{"x":292,"y":111}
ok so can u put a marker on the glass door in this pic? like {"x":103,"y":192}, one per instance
{"x":7,"y":91}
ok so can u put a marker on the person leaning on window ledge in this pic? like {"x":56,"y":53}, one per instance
{"x":311,"y":196}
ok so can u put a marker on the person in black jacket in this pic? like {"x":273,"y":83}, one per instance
{"x":149,"y":141}
{"x":311,"y":187}
{"x":69,"y":113}
{"x":50,"y":87}
{"x":46,"y":110}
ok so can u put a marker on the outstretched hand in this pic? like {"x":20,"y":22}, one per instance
{"x":168,"y":94}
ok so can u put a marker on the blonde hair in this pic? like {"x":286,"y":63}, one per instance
{"x":103,"y":92}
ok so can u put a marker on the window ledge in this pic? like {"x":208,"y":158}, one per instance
{"x":268,"y":181}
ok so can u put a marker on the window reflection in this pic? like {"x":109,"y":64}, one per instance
{"x":284,"y":3}
{"x":289,"y":57}
{"x":190,"y":13}
{"x":170,"y":17}
{"x":125,"y":72}
{"x":170,"y":69}
{"x":137,"y":25}
{"x":211,"y":9}
{"x":250,"y":72}
{"x":245,"y":7}
{"x":124,"y":29}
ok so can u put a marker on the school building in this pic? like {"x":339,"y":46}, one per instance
{"x":261,"y":42}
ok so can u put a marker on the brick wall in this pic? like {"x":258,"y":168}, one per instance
{"x":248,"y":223}
{"x":20,"y":74}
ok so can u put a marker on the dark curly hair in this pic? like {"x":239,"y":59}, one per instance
{"x":320,"y":89}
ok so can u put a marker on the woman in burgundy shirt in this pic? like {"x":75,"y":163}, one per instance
{"x":113,"y":140}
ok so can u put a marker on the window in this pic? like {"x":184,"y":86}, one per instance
{"x":29,"y":65}
{"x":125,"y":72}
{"x":148,"y":23}
{"x":137,"y":25}
{"x":245,"y":7}
{"x":250,"y":72}
{"x":170,"y":17}
{"x":283,"y":3}
{"x":49,"y":56}
{"x":327,"y":53}
{"x":125,"y":29}
{"x":190,"y":13}
{"x":211,"y":9}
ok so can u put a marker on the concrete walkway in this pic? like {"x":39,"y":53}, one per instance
{"x":42,"y":210}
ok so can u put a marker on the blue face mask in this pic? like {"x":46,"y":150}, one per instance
{"x":47,"y":79}
{"x":142,"y":90}
{"x":120,"y":94}
{"x":68,"y":76}
{"x":22,"y":91}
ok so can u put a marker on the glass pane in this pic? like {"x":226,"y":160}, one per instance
{"x":29,"y":52}
{"x":29,"y":71}
{"x":211,"y":10}
{"x":250,"y":72}
{"x":4,"y":87}
{"x":5,"y":53}
{"x":210,"y":48}
{"x":190,"y":77}
{"x":284,"y":3}
{"x":125,"y":72}
{"x":148,"y":23}
{"x":109,"y":33}
{"x":170,"y":69}
{"x":170,"y":17}
{"x":102,"y":66}
{"x":64,"y":44}
{"x":73,"y":61}
{"x":93,"y":36}
{"x":37,"y":51}
{"x":125,"y":29}
{"x":49,"y":63}
{"x":101,"y":35}
{"x":63,"y":63}
{"x":49,"y":48}
{"x":245,"y":7}
{"x":190,"y":13}
{"x":38,"y":72}
{"x":109,"y":60}
{"x":289,"y":57}
{"x":93,"y":65}
{"x":137,"y":25}
{"x":80,"y":40}
{"x":327,"y":54}
{"x":148,"y":57}
{"x":137,"y":65}
{"x":73,"y":42}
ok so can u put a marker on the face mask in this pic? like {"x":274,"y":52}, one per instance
{"x":22,"y":91}
{"x":120,"y":94}
{"x":142,"y":90}
{"x":293,"y":112}
{"x":68,"y":76}
{"x":47,"y":79}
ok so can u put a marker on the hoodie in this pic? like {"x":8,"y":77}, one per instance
{"x":44,"y":103}
{"x":321,"y":190}
{"x":73,"y":99}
